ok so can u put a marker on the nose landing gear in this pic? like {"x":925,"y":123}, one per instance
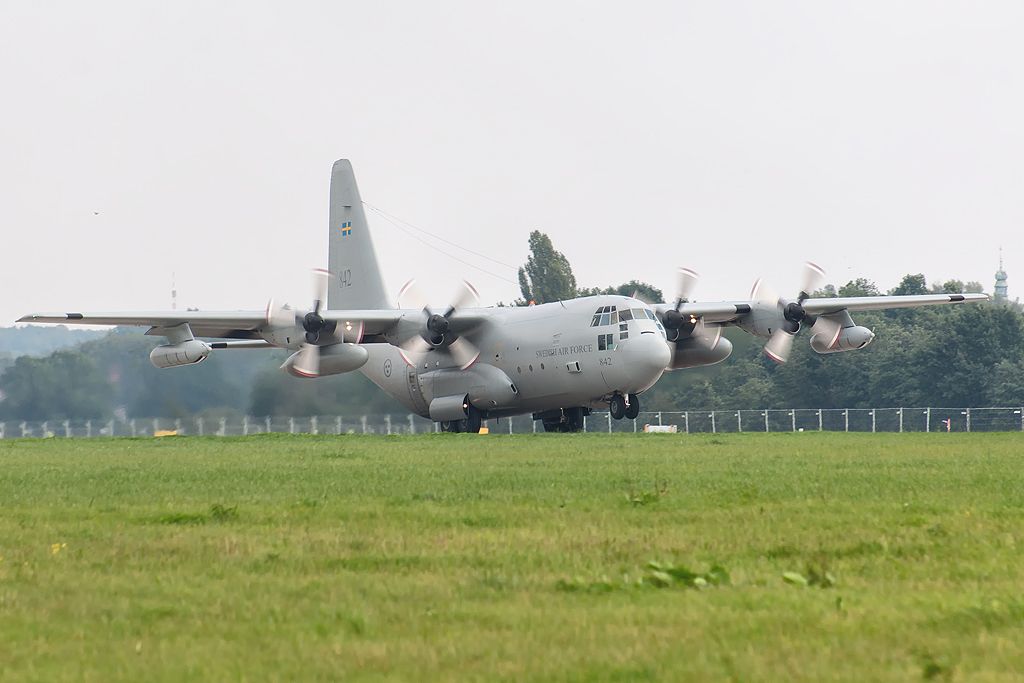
{"x":624,"y":406}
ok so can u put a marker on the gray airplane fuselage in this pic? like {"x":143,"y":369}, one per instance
{"x":535,"y":358}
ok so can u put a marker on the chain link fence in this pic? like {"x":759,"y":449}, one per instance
{"x":690,"y":422}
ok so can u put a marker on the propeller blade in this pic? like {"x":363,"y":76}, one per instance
{"x":410,"y":296}
{"x":763,"y":293}
{"x":466,"y":297}
{"x":812,"y":277}
{"x":279,"y":315}
{"x":321,"y":278}
{"x":414,"y":349}
{"x":307,"y":363}
{"x":686,"y":281}
{"x":779,"y":346}
{"x":464,"y":352}
{"x":709,"y":334}
{"x":829,"y":328}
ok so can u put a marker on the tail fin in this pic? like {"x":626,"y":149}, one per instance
{"x":350,"y":255}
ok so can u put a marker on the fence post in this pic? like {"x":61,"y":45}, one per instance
{"x":24,"y":428}
{"x":510,"y":425}
{"x":337,"y":425}
{"x":901,"y":420}
{"x":245,"y":425}
{"x":713,"y":430}
{"x":872,"y":420}
{"x":792,"y":419}
{"x":819,"y":419}
{"x":534,"y":426}
{"x":177,"y":425}
{"x":609,"y":415}
{"x":846,"y":419}
{"x":156,"y":425}
{"x":387,"y":423}
{"x":362,"y":421}
{"x":739,"y":421}
{"x":659,"y":419}
{"x":1021,"y":421}
{"x":686,"y":419}
{"x":291,"y":425}
{"x":766,"y":427}
{"x":313,"y":426}
{"x":3,"y":428}
{"x":67,"y":429}
{"x":223,"y":427}
{"x":88,"y":428}
{"x":634,"y":425}
{"x":928,"y":420}
{"x":968,"y":419}
{"x":200,"y":427}
{"x":268,"y":423}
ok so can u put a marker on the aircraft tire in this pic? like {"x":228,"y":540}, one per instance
{"x":633,"y":411}
{"x":617,"y":406}
{"x":473,"y":420}
{"x":574,"y":419}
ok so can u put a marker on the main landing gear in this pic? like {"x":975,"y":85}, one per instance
{"x":472,"y":423}
{"x":567,"y":420}
{"x":624,"y":406}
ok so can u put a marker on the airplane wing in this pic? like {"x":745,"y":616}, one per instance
{"x":222,"y":324}
{"x":876,"y":303}
{"x":247,"y":324}
{"x":721,"y":312}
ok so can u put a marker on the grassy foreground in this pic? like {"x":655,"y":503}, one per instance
{"x":459,"y":557}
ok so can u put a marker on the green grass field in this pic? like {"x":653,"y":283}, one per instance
{"x":456,"y":557}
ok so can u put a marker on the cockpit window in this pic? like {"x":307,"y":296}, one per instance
{"x":625,"y":315}
{"x":606,"y":315}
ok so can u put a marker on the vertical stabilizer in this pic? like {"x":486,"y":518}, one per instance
{"x":357,"y":283}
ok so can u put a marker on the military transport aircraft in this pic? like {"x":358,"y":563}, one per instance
{"x":463,"y":364}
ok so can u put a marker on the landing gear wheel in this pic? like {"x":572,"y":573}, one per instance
{"x":552,"y":426}
{"x":454,"y":426}
{"x":573,"y":420}
{"x":473,"y":420}
{"x":633,"y":411}
{"x":617,"y":406}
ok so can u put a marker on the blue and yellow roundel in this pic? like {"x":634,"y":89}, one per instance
{"x":346,"y":228}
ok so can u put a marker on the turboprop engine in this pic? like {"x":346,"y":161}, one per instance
{"x":183,"y":353}
{"x":848,"y":339}
{"x":334,"y":360}
{"x":696,"y":351}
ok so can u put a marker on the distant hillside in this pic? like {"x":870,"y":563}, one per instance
{"x":39,"y":340}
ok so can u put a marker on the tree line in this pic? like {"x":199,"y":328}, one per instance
{"x":955,"y":356}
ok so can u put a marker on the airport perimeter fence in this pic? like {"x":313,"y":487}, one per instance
{"x":690,"y":422}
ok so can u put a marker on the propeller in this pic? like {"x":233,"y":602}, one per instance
{"x":678,"y":325}
{"x":437,"y":326}
{"x":307,"y":361}
{"x":793,"y":314}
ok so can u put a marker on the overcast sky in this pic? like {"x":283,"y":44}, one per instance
{"x":740,"y":139}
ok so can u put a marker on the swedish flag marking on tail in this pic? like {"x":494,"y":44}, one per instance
{"x":346,"y":228}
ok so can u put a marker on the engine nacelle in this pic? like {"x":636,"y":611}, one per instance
{"x":849,"y":339}
{"x":184,"y":353}
{"x":694,"y":352}
{"x":334,"y":359}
